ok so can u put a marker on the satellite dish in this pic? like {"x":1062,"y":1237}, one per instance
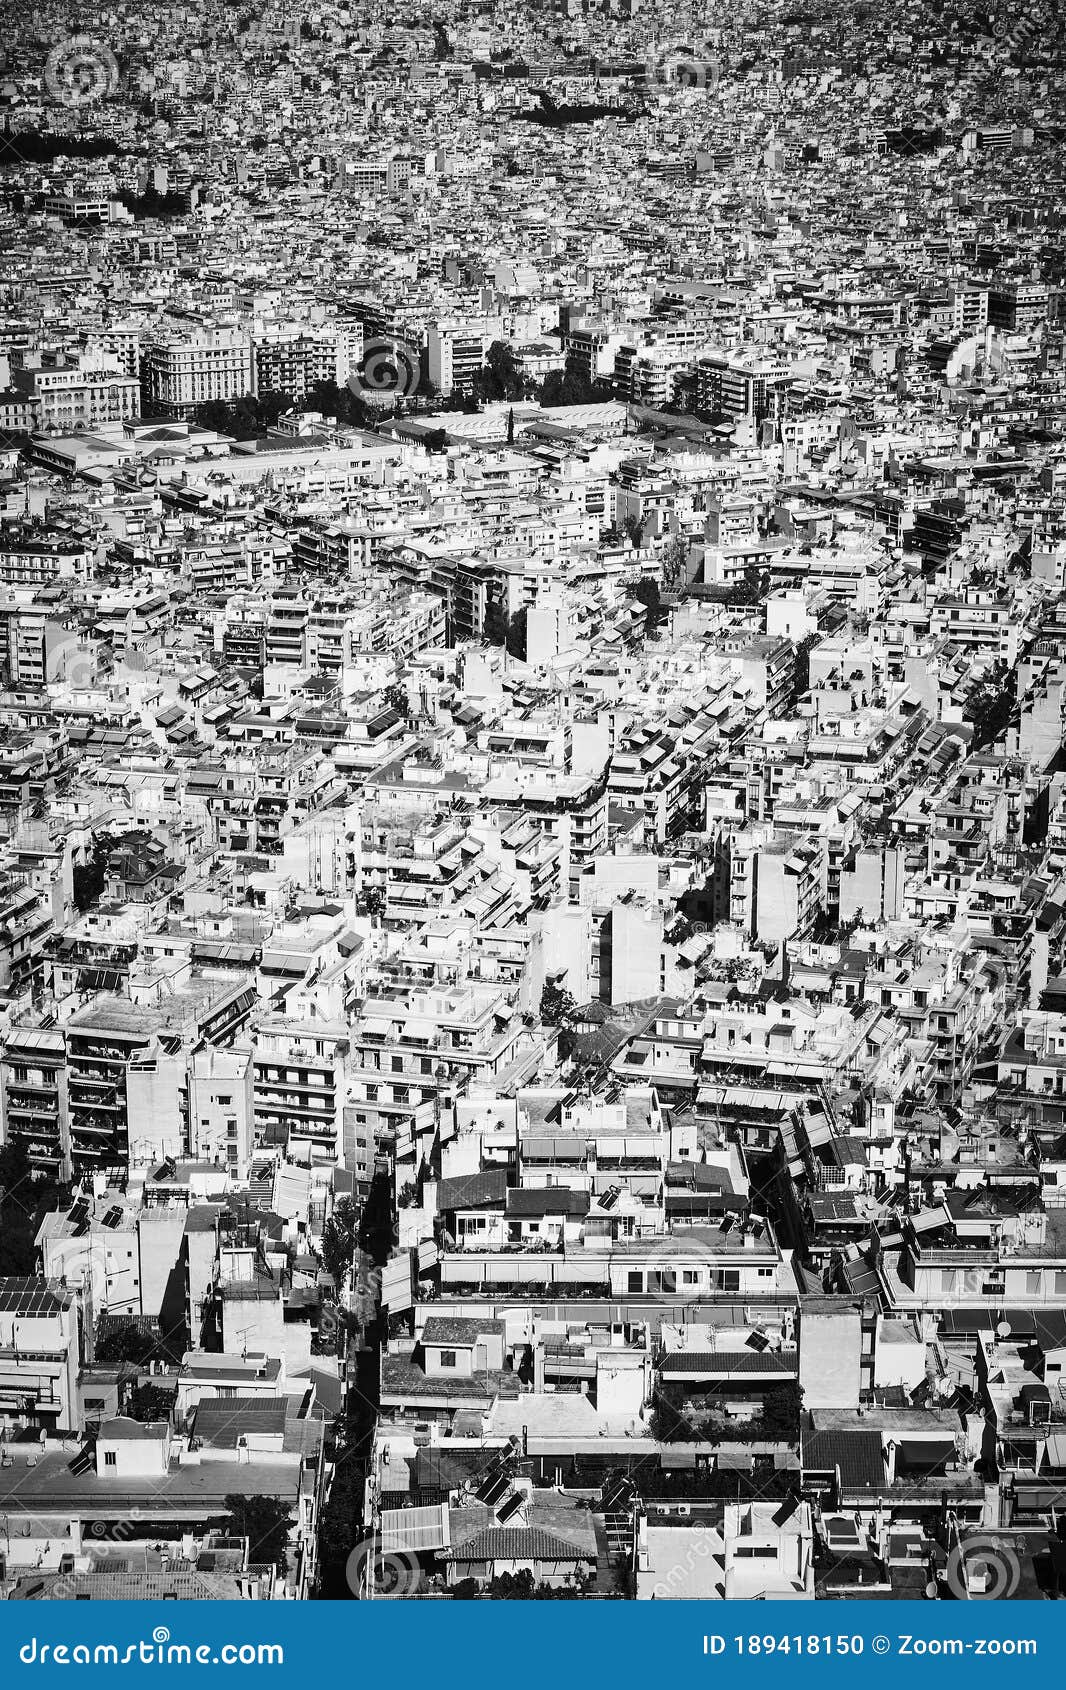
{"x":931,"y":1590}
{"x":1003,"y":1329}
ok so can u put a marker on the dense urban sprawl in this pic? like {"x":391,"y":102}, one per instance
{"x":533,"y":801}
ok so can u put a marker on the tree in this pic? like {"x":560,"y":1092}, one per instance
{"x":571,"y":386}
{"x":373,"y":900}
{"x":265,"y":1522}
{"x":347,"y":407}
{"x":557,"y":1005}
{"x":675,"y":562}
{"x":90,"y":876}
{"x":781,"y":1410}
{"x":216,"y":415}
{"x":338,"y":1529}
{"x":126,"y":1340}
{"x":669,"y":1422}
{"x":646,"y":592}
{"x":339,"y":1238}
{"x":509,"y":631}
{"x":494,"y":627}
{"x":15,"y":1168}
{"x":515,"y":639}
{"x":271,"y":405}
{"x":149,"y":1402}
{"x":500,"y":377}
{"x":990,"y":705}
{"x":801,"y":674}
{"x":395,"y":697}
{"x":25,"y":1198}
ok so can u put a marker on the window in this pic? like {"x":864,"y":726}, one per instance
{"x":755,"y":1552}
{"x":447,"y":1358}
{"x":636,"y":1282}
{"x":110,"y":1458}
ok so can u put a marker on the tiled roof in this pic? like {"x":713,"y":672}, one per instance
{"x":730,"y":1361}
{"x":473,"y":1191}
{"x":511,"y":1543}
{"x":554,"y":1200}
{"x":856,"y":1453}
{"x":439,"y":1329}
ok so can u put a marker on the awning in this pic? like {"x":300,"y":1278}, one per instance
{"x":414,"y":1529}
{"x":926,"y":1452}
{"x":734,"y":1461}
{"x":1054,"y":1451}
{"x":677,"y":1458}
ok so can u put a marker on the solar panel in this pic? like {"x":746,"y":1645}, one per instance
{"x":491,"y":1491}
{"x":112,"y":1218}
{"x":509,"y":1508}
{"x":619,"y":1494}
{"x":758,"y":1341}
{"x":786,"y":1510}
